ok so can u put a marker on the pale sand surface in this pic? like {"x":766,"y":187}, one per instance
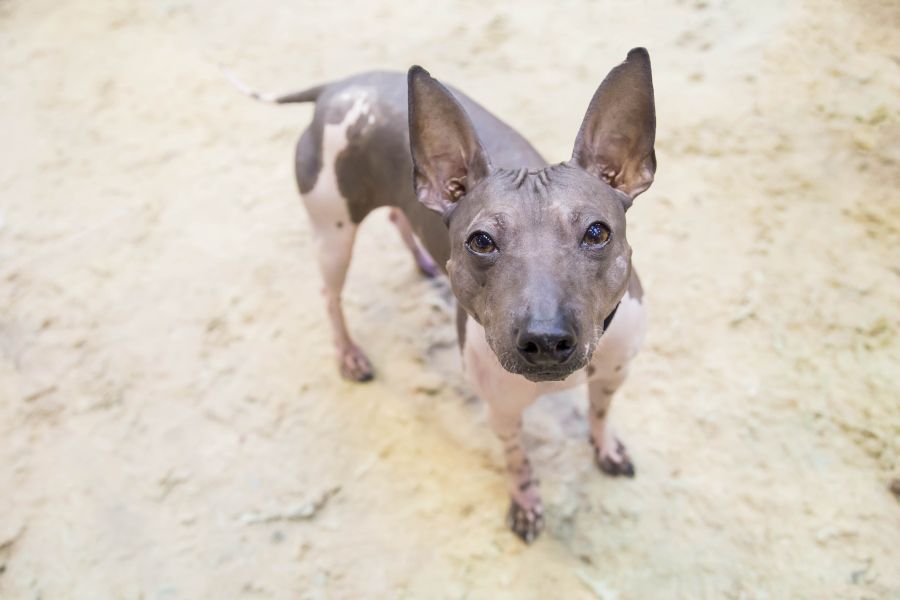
{"x":167,"y":394}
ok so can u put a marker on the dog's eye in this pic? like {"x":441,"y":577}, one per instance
{"x":481,"y":243}
{"x":596,"y":236}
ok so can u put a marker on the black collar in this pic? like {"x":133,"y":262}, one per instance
{"x":609,"y":319}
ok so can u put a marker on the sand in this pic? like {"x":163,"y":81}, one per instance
{"x":171,"y":421}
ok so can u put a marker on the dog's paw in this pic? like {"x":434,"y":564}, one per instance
{"x":613,"y":459}
{"x":354,"y":365}
{"x":525,"y":522}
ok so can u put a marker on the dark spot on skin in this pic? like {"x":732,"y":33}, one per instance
{"x":374,"y":156}
{"x":339,"y":224}
{"x":308,"y":158}
{"x":609,"y":392}
{"x":600,"y":414}
{"x":356,"y":168}
{"x":618,"y":368}
{"x":591,"y":369}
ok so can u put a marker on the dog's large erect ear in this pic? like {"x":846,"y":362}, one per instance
{"x":448,"y":158}
{"x":616,"y":138}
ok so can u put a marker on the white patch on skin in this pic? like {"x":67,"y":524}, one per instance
{"x":324,"y":202}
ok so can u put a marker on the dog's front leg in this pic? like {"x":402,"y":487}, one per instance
{"x":609,"y":451}
{"x":507,"y":397}
{"x":526,"y":514}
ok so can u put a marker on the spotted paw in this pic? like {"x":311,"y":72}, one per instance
{"x":526,"y":523}
{"x":614,"y":461}
{"x":354,"y":365}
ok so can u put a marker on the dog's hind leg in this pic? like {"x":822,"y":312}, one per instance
{"x":334,"y":249}
{"x":334,"y":233}
{"x":424,"y":262}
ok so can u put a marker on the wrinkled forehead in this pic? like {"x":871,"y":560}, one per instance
{"x":556,"y":194}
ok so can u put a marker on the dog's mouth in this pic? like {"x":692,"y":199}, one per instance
{"x":540,"y":373}
{"x":537,"y":376}
{"x":537,"y":373}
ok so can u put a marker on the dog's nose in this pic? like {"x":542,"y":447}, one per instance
{"x":546,"y":342}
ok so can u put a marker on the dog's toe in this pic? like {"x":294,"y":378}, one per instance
{"x":355,"y":366}
{"x":615,"y":462}
{"x":526,"y":523}
{"x":363,"y":376}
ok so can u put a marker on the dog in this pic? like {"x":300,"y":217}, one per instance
{"x":536,"y":254}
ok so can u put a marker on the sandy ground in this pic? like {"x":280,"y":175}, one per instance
{"x":172,"y":426}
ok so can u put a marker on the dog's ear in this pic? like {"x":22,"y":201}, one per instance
{"x":615,"y":141}
{"x":448,"y":158}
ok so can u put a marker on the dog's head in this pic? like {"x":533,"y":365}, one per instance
{"x":539,"y":258}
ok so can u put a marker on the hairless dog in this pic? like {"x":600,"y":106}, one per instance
{"x":536,"y":253}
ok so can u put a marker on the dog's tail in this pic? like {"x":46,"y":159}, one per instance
{"x":307,"y":95}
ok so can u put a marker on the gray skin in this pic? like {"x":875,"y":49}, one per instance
{"x":376,"y":168}
{"x":535,"y":253}
{"x":474,"y":173}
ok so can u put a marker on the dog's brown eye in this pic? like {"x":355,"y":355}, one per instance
{"x":596,"y":236}
{"x":481,"y":243}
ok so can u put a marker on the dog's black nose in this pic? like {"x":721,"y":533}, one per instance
{"x":546,"y":343}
